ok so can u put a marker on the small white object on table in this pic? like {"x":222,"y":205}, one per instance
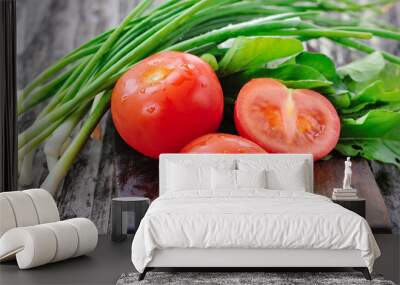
{"x":347,"y":192}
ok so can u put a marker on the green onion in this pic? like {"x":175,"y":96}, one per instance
{"x":43,"y":93}
{"x":374,"y":31}
{"x":60,"y":169}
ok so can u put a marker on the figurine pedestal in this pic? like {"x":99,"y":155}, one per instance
{"x":347,"y":190}
{"x":344,"y":194}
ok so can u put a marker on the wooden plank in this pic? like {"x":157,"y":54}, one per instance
{"x":76,"y":197}
{"x":329,"y":174}
{"x":102,"y":195}
{"x":136,"y":175}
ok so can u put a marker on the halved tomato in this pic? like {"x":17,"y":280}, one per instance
{"x":222,"y":143}
{"x":283,"y":120}
{"x":166,"y":101}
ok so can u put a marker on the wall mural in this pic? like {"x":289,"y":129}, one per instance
{"x":95,"y":111}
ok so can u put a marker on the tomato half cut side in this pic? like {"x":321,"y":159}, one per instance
{"x":283,"y":120}
{"x":222,"y":143}
{"x":166,"y":101}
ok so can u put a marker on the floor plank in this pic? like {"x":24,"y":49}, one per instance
{"x":111,"y":259}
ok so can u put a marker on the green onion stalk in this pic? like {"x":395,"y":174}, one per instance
{"x":72,"y":83}
{"x":60,"y":169}
{"x":59,"y":139}
{"x":357,"y":45}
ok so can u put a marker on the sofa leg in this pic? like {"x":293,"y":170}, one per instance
{"x":142,"y":275}
{"x":365,"y":272}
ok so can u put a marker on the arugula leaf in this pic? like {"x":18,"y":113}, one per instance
{"x":341,"y":100}
{"x":293,"y":76}
{"x":298,"y":76}
{"x":250,"y":52}
{"x":381,"y":90}
{"x":337,"y":93}
{"x":320,"y":62}
{"x":374,"y":136}
{"x":376,"y":92}
{"x":372,"y":94}
{"x":364,"y":69}
{"x":390,"y":76}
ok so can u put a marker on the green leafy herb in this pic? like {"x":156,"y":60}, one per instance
{"x":375,"y":136}
{"x":364,"y":69}
{"x":320,"y":62}
{"x":376,"y":92}
{"x":292,"y":75}
{"x":253,"y":52}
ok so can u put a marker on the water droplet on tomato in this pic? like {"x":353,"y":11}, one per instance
{"x":187,"y":67}
{"x":151,"y":108}
{"x":124,"y":98}
{"x":203,"y":81}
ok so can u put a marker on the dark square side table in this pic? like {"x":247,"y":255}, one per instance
{"x":355,"y":205}
{"x":126,"y":214}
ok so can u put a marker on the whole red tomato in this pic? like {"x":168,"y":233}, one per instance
{"x":166,"y":101}
{"x":222,"y":143}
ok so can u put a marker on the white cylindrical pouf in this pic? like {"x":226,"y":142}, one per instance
{"x":7,"y":218}
{"x":33,"y":246}
{"x":87,"y":234}
{"x":67,"y":239}
{"x":45,"y":205}
{"x":40,"y":244}
{"x":23,"y":208}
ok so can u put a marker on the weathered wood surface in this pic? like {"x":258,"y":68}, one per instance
{"x":47,"y":29}
{"x":329,"y":174}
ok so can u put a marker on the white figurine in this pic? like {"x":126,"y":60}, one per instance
{"x":347,"y":174}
